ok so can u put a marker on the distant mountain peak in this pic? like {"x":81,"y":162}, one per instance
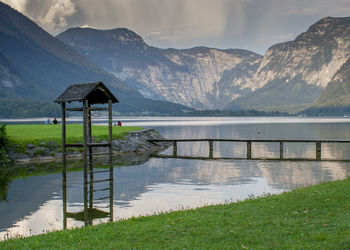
{"x":116,"y":37}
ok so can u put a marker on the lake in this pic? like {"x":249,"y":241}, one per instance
{"x":36,"y":204}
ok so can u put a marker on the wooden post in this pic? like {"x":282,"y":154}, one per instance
{"x":318,"y":151}
{"x":64,"y":200}
{"x":110,"y":130}
{"x":281,"y":150}
{"x":249,"y":150}
{"x":90,"y":162}
{"x":64,"y":153}
{"x":211,"y":149}
{"x":85,"y":160}
{"x":174,"y":149}
{"x":64,"y":166}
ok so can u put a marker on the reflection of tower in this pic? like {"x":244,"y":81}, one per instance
{"x":97,"y":188}
{"x":89,"y":94}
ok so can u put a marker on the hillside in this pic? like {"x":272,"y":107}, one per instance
{"x":292,"y":75}
{"x":335,"y":99}
{"x":289,"y":77}
{"x":204,"y":78}
{"x":35,"y":66}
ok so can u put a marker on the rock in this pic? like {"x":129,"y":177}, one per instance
{"x":136,"y":141}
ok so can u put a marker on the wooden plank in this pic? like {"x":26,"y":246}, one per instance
{"x":76,"y":145}
{"x":244,"y":158}
{"x":245,"y":140}
{"x":74,"y":109}
{"x":98,"y":109}
{"x":89,"y":109}
{"x":97,"y":144}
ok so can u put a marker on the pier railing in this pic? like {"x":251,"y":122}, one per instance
{"x":318,"y":148}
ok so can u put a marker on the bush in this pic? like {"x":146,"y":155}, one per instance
{"x":4,"y":162}
{"x":4,"y":147}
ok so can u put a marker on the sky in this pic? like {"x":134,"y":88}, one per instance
{"x":238,"y":24}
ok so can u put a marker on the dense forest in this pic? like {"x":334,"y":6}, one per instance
{"x":24,"y":108}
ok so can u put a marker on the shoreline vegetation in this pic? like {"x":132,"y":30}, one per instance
{"x":43,"y":142}
{"x":315,"y":217}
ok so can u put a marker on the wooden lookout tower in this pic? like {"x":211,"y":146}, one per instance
{"x":88,"y":94}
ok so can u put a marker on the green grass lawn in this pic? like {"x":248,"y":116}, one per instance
{"x":315,"y":217}
{"x":36,"y":134}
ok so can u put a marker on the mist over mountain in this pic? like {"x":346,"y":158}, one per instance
{"x":289,"y":77}
{"x":37,"y":67}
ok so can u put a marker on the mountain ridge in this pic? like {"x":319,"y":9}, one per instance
{"x":289,"y":77}
{"x":153,"y":70}
{"x":35,"y":66}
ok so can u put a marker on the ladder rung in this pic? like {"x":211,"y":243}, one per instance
{"x":96,"y":144}
{"x":102,"y":153}
{"x":103,"y":198}
{"x":100,"y":171}
{"x":74,"y":109}
{"x":99,"y":181}
{"x":106,"y":163}
{"x":100,"y":190}
{"x":97,"y":108}
{"x":74,"y":145}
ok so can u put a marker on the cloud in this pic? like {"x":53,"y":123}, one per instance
{"x":247,"y":24}
{"x":319,"y":7}
{"x":18,"y":4}
{"x":50,"y":14}
{"x":166,"y":18}
{"x":55,"y":19}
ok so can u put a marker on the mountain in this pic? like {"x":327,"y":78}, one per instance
{"x":289,"y":77}
{"x":335,"y":99}
{"x":37,"y":67}
{"x":204,"y":78}
{"x":292,"y":75}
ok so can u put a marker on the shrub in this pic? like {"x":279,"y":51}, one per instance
{"x":4,"y":146}
{"x":4,"y":162}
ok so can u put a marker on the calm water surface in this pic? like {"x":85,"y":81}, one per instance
{"x":35,"y":204}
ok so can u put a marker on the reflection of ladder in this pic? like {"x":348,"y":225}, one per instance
{"x":93,"y":177}
{"x":98,"y":187}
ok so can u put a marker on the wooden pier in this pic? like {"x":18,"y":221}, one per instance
{"x":249,"y":142}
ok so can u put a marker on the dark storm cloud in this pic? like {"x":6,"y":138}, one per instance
{"x":248,"y":24}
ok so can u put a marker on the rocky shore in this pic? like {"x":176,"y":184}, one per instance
{"x":133,"y":142}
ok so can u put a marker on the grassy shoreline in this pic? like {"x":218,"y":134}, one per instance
{"x":36,"y":134}
{"x":307,"y":218}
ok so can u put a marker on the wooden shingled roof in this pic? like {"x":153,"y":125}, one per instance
{"x":94,"y":93}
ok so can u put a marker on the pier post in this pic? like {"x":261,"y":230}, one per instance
{"x":211,"y":149}
{"x":85,"y":160}
{"x":249,"y":150}
{"x":281,"y":150}
{"x":174,"y":149}
{"x":318,"y":151}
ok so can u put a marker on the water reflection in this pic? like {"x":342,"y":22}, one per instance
{"x":38,"y":204}
{"x":41,"y":203}
{"x":97,"y":190}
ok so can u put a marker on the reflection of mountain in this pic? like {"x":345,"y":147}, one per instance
{"x":25,"y":196}
{"x":266,"y":131}
{"x":28,"y":196}
{"x":296,"y":174}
